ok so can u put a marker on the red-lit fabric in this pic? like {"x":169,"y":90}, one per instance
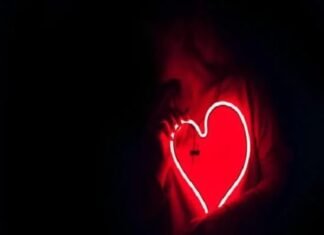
{"x":191,"y":53}
{"x":222,"y":153}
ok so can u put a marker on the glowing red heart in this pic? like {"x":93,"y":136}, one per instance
{"x":224,"y":154}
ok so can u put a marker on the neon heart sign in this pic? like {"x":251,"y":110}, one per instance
{"x":204,"y":134}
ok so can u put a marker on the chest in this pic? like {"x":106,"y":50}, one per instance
{"x":211,"y":158}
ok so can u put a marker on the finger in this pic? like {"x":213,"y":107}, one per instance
{"x":178,"y":117}
{"x":165,"y":127}
{"x":181,"y":115}
{"x":173,"y":122}
{"x":169,"y":123}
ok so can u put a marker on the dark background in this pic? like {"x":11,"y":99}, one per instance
{"x":80,"y":76}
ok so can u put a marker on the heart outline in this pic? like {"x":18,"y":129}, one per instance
{"x":204,"y":135}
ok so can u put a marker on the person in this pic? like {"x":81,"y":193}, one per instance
{"x":195,"y":71}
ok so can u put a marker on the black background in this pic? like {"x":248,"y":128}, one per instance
{"x":80,"y":78}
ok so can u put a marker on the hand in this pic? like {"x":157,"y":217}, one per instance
{"x":168,"y":126}
{"x":172,"y":122}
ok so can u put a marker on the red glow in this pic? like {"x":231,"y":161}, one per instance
{"x":222,"y":165}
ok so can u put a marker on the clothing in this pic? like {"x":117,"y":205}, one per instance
{"x":268,"y":156}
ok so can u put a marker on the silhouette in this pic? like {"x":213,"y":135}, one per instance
{"x":195,"y":70}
